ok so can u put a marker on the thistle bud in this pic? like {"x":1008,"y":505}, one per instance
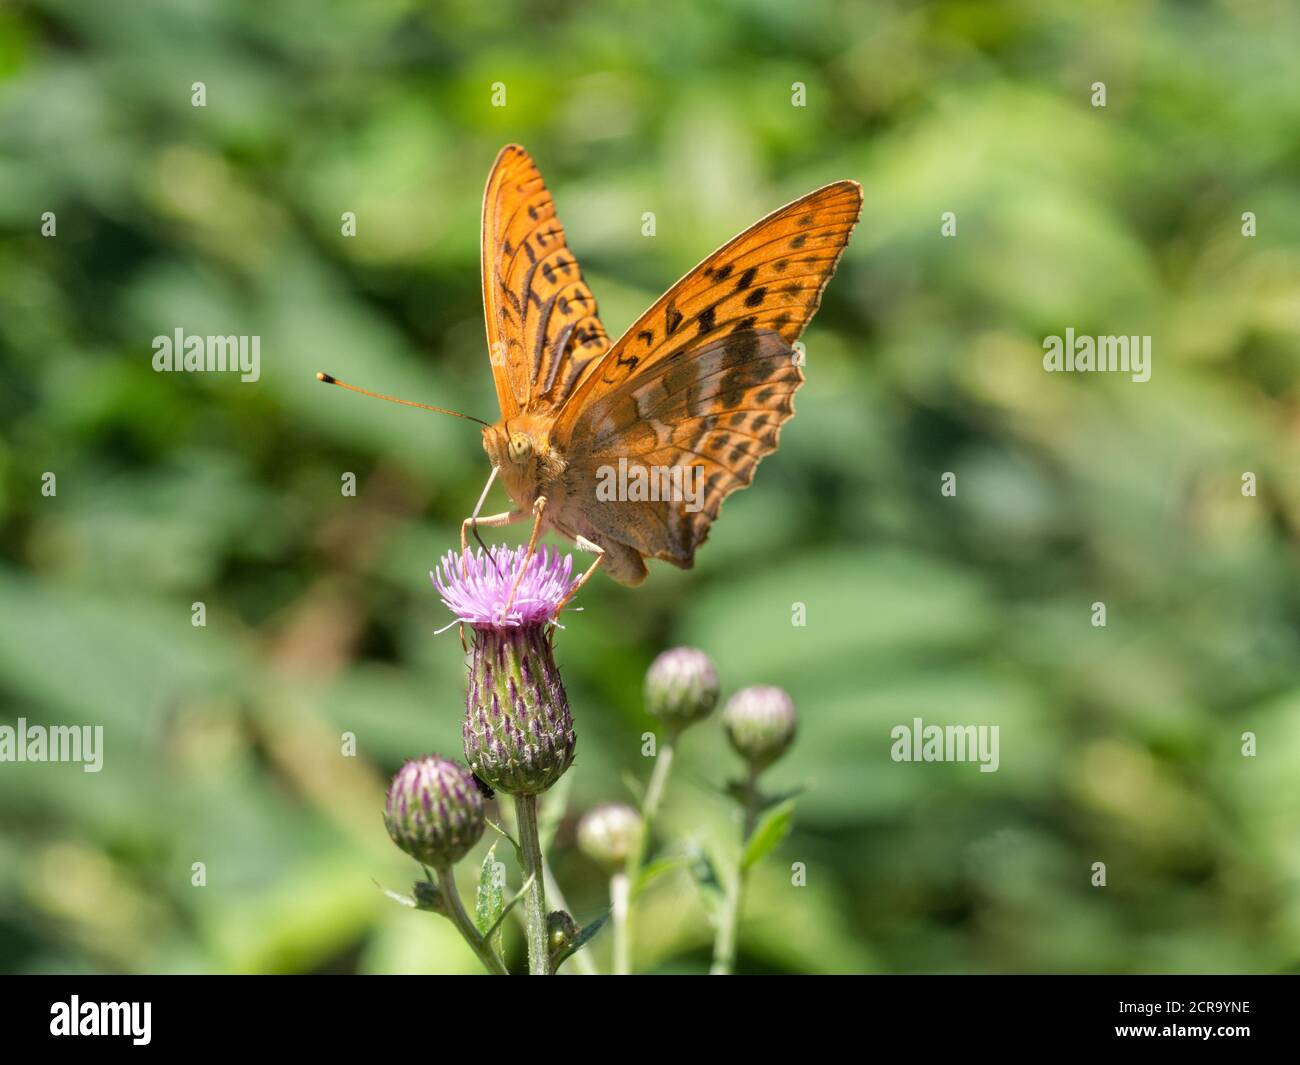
{"x":607,"y":833}
{"x":561,"y":931}
{"x":518,"y":731}
{"x":434,"y":810}
{"x":681,"y":687}
{"x":760,"y":724}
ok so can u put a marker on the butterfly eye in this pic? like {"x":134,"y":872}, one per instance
{"x":521,"y":446}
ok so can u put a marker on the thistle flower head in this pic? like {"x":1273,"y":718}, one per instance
{"x":518,"y":731}
{"x":434,"y":810}
{"x":475,"y":587}
{"x":760,"y":724}
{"x":681,"y":687}
{"x":607,"y":833}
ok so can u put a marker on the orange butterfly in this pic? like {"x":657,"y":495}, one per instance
{"x":688,"y":400}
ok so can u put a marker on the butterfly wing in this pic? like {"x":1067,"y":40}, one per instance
{"x":705,"y":378}
{"x":543,"y":330}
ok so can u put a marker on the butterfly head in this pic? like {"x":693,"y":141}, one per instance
{"x":510,"y":447}
{"x":521,"y":450}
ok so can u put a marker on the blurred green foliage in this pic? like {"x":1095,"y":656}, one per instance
{"x":1118,"y":744}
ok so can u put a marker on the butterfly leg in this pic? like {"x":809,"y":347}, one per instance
{"x":473,"y":521}
{"x":491,"y":521}
{"x":583,"y":545}
{"x":539,"y":505}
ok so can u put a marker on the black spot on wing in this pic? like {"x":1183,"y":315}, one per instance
{"x":708,"y":319}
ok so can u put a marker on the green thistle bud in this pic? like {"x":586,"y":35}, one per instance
{"x":434,"y":810}
{"x":681,"y":687}
{"x":607,"y":833}
{"x":561,"y":931}
{"x":518,"y":730}
{"x":760,"y":723}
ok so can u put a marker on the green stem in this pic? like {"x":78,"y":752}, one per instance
{"x":620,"y":902}
{"x":724,"y":946}
{"x":539,"y":961}
{"x":654,"y":793}
{"x":456,"y":911}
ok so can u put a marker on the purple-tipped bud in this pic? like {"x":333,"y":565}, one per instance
{"x":518,"y":731}
{"x":435,"y":810}
{"x":761,"y":724}
{"x":607,"y":833}
{"x":681,"y":687}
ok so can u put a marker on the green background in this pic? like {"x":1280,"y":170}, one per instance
{"x":1119,"y":744}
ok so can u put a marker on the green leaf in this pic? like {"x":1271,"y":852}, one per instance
{"x":773,"y":828}
{"x":656,"y":869}
{"x":489,"y":903}
{"x":494,"y":932}
{"x":519,"y":851}
{"x":704,"y":870}
{"x":405,"y":900}
{"x":634,"y":786}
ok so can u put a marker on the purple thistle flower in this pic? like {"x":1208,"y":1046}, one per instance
{"x":518,"y":731}
{"x":475,"y":587}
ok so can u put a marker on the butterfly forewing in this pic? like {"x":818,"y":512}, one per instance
{"x":543,"y":329}
{"x":704,"y":380}
{"x":770,"y":277}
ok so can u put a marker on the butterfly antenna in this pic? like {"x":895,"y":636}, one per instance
{"x":329,"y":379}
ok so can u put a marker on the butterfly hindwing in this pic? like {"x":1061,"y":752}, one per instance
{"x":704,"y":380}
{"x":543,"y":329}
{"x":705,"y":417}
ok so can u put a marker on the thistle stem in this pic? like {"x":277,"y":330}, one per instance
{"x":539,"y":962}
{"x":456,"y":911}
{"x":620,"y":902}
{"x":724,"y":946}
{"x":654,"y":793}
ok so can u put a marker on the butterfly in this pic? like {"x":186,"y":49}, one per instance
{"x":684,"y":404}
